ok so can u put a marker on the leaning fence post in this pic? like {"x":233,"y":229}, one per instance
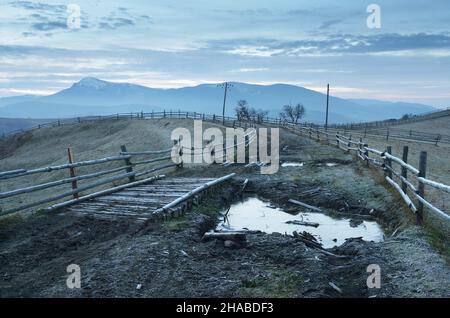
{"x":421,"y":188}
{"x":72,"y":173}
{"x":388,"y":163}
{"x":404,"y":170}
{"x":128,"y":163}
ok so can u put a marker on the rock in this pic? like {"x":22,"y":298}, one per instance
{"x":139,"y":286}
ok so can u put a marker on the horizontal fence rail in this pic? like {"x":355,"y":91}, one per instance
{"x":126,"y":171}
{"x":384,"y":160}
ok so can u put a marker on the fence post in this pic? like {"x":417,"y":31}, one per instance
{"x":349,"y":144}
{"x":366,"y":154}
{"x":437,"y":139}
{"x":404,"y":170}
{"x":337,"y":139}
{"x":387,"y":134}
{"x":72,"y":173}
{"x":128,"y":163}
{"x":360,"y":147}
{"x":388,"y":163}
{"x":421,"y":188}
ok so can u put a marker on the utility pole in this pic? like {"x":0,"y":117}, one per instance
{"x":224,"y":101}
{"x":328,"y":98}
{"x":226,"y":87}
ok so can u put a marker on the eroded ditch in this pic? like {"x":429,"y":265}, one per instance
{"x":255,"y":214}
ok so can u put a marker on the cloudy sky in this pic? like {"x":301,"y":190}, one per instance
{"x":184,"y":43}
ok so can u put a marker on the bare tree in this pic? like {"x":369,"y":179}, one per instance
{"x":293,"y":113}
{"x":260,"y":114}
{"x":242,"y":110}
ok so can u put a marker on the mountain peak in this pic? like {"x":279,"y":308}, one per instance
{"x":91,"y":82}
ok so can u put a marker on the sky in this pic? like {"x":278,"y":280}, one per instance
{"x":166,"y":44}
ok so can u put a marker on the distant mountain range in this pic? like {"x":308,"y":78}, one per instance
{"x":92,"y":96}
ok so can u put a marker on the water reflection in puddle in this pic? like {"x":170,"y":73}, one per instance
{"x":292,"y":164}
{"x":255,"y":214}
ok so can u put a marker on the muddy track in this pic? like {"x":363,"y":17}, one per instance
{"x":169,"y":259}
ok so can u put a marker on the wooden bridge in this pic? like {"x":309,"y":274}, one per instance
{"x":160,"y":198}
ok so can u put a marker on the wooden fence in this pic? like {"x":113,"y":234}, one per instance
{"x":367,"y":129}
{"x":409,"y":181}
{"x":128,"y":171}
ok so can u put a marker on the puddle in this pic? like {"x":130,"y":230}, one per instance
{"x":255,"y":214}
{"x":331,"y":164}
{"x":292,"y":164}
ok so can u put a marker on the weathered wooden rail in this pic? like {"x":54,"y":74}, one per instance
{"x":130,"y":171}
{"x":406,"y":177}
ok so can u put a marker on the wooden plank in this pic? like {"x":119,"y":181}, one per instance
{"x":103,"y":192}
{"x":119,"y":204}
{"x":169,"y":193}
{"x":127,"y":199}
{"x":123,"y":209}
{"x":112,"y":213}
{"x":310,"y":207}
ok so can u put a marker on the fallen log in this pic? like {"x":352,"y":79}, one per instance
{"x":298,"y":222}
{"x":310,"y":207}
{"x":235,"y":236}
{"x":308,"y":239}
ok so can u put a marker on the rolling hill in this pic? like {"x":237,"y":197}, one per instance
{"x":91,"y":96}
